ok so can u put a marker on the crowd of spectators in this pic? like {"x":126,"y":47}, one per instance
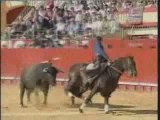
{"x":56,"y":20}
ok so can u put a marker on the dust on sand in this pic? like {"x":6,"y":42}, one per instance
{"x":124,"y":105}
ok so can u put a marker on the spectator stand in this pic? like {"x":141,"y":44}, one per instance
{"x":138,"y":29}
{"x":75,"y":22}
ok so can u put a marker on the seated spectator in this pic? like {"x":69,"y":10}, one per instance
{"x":78,"y":6}
{"x":129,"y":5}
{"x":4,"y":44}
{"x":78,"y":17}
{"x":42,"y":12}
{"x":92,"y":10}
{"x":140,"y":3}
{"x":19,"y":44}
{"x":126,"y":5}
{"x":111,"y":21}
{"x":88,"y":25}
{"x":102,"y":12}
{"x":6,"y":35}
{"x":98,"y":25}
{"x":72,"y":12}
{"x":28,"y":23}
{"x":49,"y":13}
{"x":43,"y":18}
{"x":60,"y":28}
{"x":50,"y":4}
{"x":78,"y":27}
{"x":71,"y":27}
{"x":150,"y":3}
{"x":66,"y":15}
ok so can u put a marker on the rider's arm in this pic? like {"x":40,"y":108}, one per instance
{"x":99,"y":50}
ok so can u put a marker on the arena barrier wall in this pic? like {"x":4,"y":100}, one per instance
{"x":144,"y":52}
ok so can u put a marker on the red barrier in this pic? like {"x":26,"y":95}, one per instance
{"x":14,"y":60}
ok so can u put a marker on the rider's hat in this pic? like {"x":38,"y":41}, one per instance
{"x":99,"y":38}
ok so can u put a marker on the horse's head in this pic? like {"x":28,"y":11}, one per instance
{"x":130,"y":66}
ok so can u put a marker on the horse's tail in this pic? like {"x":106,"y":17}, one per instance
{"x":67,"y":86}
{"x":65,"y":89}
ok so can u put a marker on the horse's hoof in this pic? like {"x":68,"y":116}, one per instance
{"x":80,"y":110}
{"x":107,"y":112}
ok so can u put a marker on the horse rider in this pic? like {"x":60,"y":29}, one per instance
{"x":100,"y":57}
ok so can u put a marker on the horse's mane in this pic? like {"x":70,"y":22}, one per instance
{"x":118,"y":60}
{"x":121,"y":58}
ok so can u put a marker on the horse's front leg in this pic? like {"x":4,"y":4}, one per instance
{"x":88,"y":99}
{"x":83,"y":90}
{"x":106,"y":104}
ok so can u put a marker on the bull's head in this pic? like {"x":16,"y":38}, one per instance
{"x":52,"y":73}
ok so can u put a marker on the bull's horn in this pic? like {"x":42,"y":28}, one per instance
{"x":56,"y":58}
{"x":59,"y":70}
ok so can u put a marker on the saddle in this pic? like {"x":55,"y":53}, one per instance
{"x":91,"y":69}
{"x":92,"y":72}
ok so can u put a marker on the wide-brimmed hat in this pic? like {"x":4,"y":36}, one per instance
{"x":99,"y":38}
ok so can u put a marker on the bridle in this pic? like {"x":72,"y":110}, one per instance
{"x":117,"y":70}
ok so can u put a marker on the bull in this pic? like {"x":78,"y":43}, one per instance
{"x":37,"y":77}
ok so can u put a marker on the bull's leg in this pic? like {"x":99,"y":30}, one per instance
{"x":86,"y":101}
{"x":28,"y":95}
{"x":22,"y":91}
{"x":36,"y":93}
{"x":45,"y":96}
{"x":106,"y":104}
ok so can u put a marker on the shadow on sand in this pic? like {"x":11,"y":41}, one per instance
{"x":117,"y":109}
{"x":138,"y":112}
{"x":98,"y":105}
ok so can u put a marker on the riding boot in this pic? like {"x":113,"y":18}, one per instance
{"x":90,"y":79}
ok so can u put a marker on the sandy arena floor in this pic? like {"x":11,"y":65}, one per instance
{"x":124,"y":106}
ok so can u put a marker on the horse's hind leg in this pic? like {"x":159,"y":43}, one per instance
{"x":73,"y":100}
{"x":88,"y":99}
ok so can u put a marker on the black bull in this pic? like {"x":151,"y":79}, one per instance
{"x":37,"y":76}
{"x":106,"y":83}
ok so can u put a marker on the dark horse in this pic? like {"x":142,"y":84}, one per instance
{"x":105,"y":83}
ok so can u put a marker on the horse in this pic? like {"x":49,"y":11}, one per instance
{"x":105,"y":83}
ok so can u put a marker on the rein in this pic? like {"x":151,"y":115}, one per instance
{"x":117,"y":70}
